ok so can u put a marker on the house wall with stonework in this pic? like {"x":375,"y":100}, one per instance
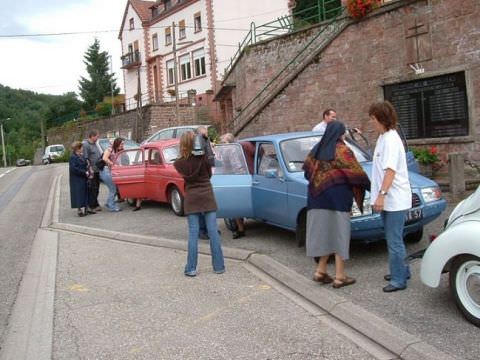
{"x":128,"y":124}
{"x":350,"y":73}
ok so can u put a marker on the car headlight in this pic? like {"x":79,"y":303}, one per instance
{"x":430,"y":194}
{"x":367,"y":208}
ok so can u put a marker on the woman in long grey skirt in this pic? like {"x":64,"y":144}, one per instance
{"x":335,"y":178}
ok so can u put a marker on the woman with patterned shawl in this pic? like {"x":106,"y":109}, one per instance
{"x":335,"y":178}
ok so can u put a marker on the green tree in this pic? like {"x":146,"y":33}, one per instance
{"x":62,"y":109}
{"x":93,"y":90}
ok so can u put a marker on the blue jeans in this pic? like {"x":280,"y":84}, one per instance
{"x":393,"y":223}
{"x":215,"y":242}
{"x":106,"y":177}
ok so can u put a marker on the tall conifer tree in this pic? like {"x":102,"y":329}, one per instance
{"x":93,"y":90}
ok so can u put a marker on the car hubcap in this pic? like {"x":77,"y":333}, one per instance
{"x":468,"y":280}
{"x":176,"y":201}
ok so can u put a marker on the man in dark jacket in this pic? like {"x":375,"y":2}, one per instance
{"x":92,"y":152}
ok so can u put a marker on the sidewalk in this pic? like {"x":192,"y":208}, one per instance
{"x":128,"y":299}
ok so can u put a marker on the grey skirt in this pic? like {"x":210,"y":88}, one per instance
{"x":328,"y":232}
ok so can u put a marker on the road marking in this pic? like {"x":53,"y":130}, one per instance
{"x":6,"y":172}
{"x":77,"y":288}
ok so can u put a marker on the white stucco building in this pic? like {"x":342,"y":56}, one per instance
{"x":207,"y":34}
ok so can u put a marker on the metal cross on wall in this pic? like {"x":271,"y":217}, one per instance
{"x":418,"y":41}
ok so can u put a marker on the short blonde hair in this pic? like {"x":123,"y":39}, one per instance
{"x":76,"y":145}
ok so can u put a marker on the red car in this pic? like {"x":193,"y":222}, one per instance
{"x":148,"y":173}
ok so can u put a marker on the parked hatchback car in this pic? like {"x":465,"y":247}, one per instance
{"x":148,"y":173}
{"x":276,"y":193}
{"x":53,"y":152}
{"x":23,"y":162}
{"x":457,"y":251}
{"x":172,"y":132}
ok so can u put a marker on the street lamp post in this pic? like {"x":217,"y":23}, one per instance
{"x":111,"y":80}
{"x":3,"y":144}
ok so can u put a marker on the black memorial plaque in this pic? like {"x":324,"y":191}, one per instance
{"x":433,"y":107}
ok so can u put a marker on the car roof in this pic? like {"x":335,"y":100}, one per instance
{"x":161,"y":143}
{"x":282,"y":136}
{"x":182,"y":127}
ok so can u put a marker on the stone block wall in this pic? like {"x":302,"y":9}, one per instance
{"x":349,"y":74}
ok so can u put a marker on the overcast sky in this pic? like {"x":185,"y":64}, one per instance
{"x":54,"y":64}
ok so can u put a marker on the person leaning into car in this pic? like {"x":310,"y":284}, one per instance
{"x":391,"y":195}
{"x":200,"y":202}
{"x":92,"y":152}
{"x":105,"y":174}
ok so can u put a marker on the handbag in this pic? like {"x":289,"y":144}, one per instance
{"x":100,"y":164}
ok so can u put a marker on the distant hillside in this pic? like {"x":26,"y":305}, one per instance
{"x":26,"y":109}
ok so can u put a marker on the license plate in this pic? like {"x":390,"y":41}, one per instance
{"x":413,"y":215}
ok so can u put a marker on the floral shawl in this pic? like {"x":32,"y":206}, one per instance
{"x":344,"y":169}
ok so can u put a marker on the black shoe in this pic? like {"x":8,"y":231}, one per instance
{"x":136,"y":208}
{"x":388,"y":277}
{"x":81,"y":213}
{"x":390,"y":288}
{"x":90,"y":211}
{"x":238,"y":234}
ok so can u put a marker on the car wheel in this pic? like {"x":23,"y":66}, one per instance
{"x":414,"y":237}
{"x":131,"y":202}
{"x":301,"y":233}
{"x":176,"y":201}
{"x":465,"y":286}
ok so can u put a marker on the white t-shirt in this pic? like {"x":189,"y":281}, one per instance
{"x":320,"y":127}
{"x":390,"y":154}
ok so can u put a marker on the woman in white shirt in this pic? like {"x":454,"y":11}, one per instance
{"x":391,"y":195}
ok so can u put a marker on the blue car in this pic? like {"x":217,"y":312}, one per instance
{"x":276,"y":192}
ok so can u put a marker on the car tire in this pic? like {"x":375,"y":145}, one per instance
{"x":176,"y":201}
{"x":414,"y":237}
{"x":131,"y":202}
{"x":464,"y":284}
{"x":301,"y":232}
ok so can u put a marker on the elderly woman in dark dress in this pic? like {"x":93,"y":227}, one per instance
{"x":335,"y":179}
{"x":199,"y":202}
{"x":79,"y":174}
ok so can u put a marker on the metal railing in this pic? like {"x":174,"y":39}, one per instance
{"x":322,"y":11}
{"x":130,"y":58}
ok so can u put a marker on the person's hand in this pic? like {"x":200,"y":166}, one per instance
{"x":379,"y":203}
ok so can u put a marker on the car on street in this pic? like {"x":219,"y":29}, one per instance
{"x":457,"y":251}
{"x":276,"y":193}
{"x":52,"y":152}
{"x":148,"y":173}
{"x":22,"y":162}
{"x":172,"y":132}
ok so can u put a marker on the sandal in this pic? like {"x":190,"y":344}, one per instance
{"x":338,"y":283}
{"x":323,"y":278}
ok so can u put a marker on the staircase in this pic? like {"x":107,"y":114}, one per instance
{"x":326,"y":34}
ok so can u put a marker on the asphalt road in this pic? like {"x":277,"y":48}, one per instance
{"x":23,"y":193}
{"x":429,"y":314}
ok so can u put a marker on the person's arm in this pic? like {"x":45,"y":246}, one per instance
{"x":106,"y":157}
{"x":386,"y":183}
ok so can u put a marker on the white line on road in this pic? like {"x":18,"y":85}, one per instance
{"x":6,"y":172}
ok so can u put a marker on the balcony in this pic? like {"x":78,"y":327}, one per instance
{"x":131,"y":60}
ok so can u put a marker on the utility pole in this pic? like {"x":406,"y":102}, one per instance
{"x":111,"y":81}
{"x":3,"y":144}
{"x":175,"y":72}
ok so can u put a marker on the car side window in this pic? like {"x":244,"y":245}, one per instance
{"x":154,"y":157}
{"x":129,"y":158}
{"x":267,"y":160}
{"x":230,"y":160}
{"x":167,"y":134}
{"x":182,"y":131}
{"x":170,"y":154}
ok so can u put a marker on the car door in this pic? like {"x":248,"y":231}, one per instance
{"x":269,"y":187}
{"x":412,"y":163}
{"x":128,"y":173}
{"x":231,"y":182}
{"x":154,"y":181}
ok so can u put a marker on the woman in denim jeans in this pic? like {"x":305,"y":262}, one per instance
{"x":199,"y":200}
{"x":391,"y":195}
{"x":106,"y":175}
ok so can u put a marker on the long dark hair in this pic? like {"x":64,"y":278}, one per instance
{"x":116,"y":144}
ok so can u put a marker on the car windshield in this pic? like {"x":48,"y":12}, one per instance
{"x":295,"y":151}
{"x":57,"y":148}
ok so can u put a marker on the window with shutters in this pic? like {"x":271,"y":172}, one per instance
{"x":185,"y":68}
{"x":182,"y":34}
{"x":155,"y":42}
{"x":170,"y":72}
{"x":168,"y":36}
{"x":197,"y":22}
{"x":199,"y":62}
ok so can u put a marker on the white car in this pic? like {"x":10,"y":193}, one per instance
{"x":52,"y":152}
{"x":457,"y":250}
{"x":172,"y":132}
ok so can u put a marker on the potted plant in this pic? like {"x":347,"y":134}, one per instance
{"x":428,"y":160}
{"x":359,"y":8}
